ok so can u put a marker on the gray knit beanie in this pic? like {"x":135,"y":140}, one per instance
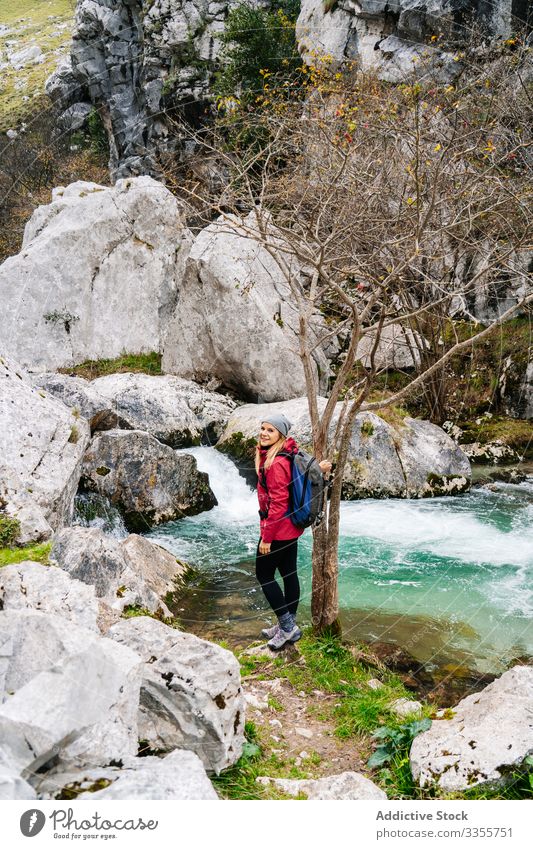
{"x":279,"y":421}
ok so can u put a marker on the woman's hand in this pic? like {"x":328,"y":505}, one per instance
{"x":326,"y":466}
{"x":264,"y":547}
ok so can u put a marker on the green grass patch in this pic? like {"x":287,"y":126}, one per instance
{"x":328,"y":665}
{"x":18,"y":87}
{"x":239,"y":781}
{"x":132,"y":610}
{"x":38,"y":552}
{"x":139,"y":363}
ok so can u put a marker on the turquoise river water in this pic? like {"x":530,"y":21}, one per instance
{"x":445,"y":578}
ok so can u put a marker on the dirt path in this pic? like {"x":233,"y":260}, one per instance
{"x":297,"y":727}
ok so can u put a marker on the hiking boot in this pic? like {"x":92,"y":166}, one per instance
{"x":270,"y":632}
{"x":281,"y":638}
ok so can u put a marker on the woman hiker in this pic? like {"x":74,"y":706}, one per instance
{"x":278,"y":544}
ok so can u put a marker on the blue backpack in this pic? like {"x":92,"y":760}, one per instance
{"x":306,"y":489}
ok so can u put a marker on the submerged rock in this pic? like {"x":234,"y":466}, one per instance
{"x":149,"y":481}
{"x":191,"y":695}
{"x":488,"y":737}
{"x":180,"y":775}
{"x":411,"y":459}
{"x":42,"y":450}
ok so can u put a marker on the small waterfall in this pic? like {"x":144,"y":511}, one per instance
{"x":237,"y":502}
{"x":92,"y":510}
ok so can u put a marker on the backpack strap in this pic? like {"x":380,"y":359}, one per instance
{"x":262,"y":473}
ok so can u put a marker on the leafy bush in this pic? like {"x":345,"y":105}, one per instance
{"x":257,"y":45}
{"x":393,"y":740}
{"x":9,"y":531}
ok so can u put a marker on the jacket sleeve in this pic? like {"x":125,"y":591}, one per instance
{"x":278,"y":480}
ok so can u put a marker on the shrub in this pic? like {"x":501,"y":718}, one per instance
{"x":9,"y":531}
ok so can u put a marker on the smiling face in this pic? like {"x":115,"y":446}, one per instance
{"x":268,"y":435}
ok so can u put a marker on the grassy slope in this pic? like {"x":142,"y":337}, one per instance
{"x":29,"y":23}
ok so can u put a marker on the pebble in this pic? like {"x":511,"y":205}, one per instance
{"x":304,"y":732}
{"x":375,"y":684}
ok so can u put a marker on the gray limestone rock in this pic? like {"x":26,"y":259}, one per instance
{"x":489,"y":735}
{"x":388,"y":34}
{"x":412,"y":459}
{"x":97,"y":275}
{"x":180,"y":775}
{"x":149,"y":481}
{"x":12,"y":786}
{"x":129,"y":572}
{"x":50,"y":590}
{"x":346,"y":785}
{"x":236,"y":318}
{"x":177,"y":412}
{"x":42,"y":450}
{"x":67,"y":693}
{"x":191,"y":695}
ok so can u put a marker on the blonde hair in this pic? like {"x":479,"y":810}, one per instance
{"x":271,"y":454}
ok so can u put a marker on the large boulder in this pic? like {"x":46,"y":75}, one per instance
{"x":12,"y":786}
{"x":66,"y":694}
{"x":42,"y":450}
{"x":50,"y":590}
{"x":408,"y":459}
{"x":97,"y":275}
{"x":488,"y":737}
{"x":149,"y":481}
{"x":191,"y":695}
{"x":180,"y":775}
{"x":178,"y":412}
{"x":129,"y":572}
{"x":236,"y":318}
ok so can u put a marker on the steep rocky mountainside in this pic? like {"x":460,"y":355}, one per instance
{"x":135,"y":58}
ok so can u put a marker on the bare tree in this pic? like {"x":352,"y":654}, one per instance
{"x":383,"y":206}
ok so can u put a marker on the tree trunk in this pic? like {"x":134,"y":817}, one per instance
{"x":325,"y":598}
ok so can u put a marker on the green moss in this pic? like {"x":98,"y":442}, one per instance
{"x":516,"y":433}
{"x":367,"y":429}
{"x":238,"y":446}
{"x":132,"y":610}
{"x":9,"y":530}
{"x":102,"y":471}
{"x":73,"y":790}
{"x":38,"y":552}
{"x":91,"y":369}
{"x":74,"y":434}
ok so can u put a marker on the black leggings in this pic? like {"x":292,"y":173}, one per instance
{"x":283,"y":556}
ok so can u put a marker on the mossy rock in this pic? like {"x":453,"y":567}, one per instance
{"x":238,"y":446}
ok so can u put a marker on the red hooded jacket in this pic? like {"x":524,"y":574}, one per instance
{"x":275,"y":498}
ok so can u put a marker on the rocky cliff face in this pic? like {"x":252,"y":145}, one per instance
{"x":135,"y":58}
{"x":132,"y":57}
{"x":389,"y":34}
